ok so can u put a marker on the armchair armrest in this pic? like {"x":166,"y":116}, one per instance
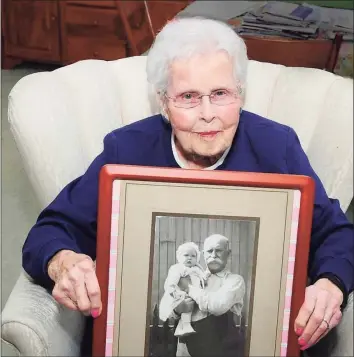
{"x":36,"y":325}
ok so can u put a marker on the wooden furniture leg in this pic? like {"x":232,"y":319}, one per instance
{"x":333,"y":58}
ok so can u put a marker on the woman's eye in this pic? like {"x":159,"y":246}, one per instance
{"x":220,"y":93}
{"x":187,"y":96}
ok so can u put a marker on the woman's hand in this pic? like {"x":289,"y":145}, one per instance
{"x":76,"y":284}
{"x":319,"y":313}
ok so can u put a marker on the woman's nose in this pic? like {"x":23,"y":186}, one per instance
{"x":206,"y":109}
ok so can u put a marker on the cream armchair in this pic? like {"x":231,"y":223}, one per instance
{"x":59,"y":119}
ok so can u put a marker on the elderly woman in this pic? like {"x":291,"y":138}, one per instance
{"x":197,"y":70}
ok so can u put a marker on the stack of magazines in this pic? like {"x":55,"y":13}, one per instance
{"x":285,"y":19}
{"x":334,"y":21}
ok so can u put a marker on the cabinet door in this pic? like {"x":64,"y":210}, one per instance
{"x":88,"y":32}
{"x":32,"y":29}
{"x":136,"y":26}
{"x":163,"y":11}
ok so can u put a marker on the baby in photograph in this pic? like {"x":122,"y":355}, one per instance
{"x":188,"y":256}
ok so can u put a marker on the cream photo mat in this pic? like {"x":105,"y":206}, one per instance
{"x":135,"y":254}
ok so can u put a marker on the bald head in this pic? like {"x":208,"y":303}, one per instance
{"x":216,"y":252}
{"x":216,"y":239}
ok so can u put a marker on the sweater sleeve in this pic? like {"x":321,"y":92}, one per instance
{"x":332,"y":236}
{"x":69,"y":221}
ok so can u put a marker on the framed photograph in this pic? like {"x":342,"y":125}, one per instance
{"x":200,"y":263}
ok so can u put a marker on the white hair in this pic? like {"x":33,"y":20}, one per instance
{"x":216,"y":238}
{"x":182,"y":38}
{"x":185,"y":246}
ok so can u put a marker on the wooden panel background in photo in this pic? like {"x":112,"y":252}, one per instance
{"x":170,"y":232}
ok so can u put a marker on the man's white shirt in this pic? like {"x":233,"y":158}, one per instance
{"x":224,"y":291}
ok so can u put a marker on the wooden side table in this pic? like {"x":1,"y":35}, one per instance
{"x":314,"y":53}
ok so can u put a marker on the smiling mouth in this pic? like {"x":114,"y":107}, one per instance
{"x":208,"y":134}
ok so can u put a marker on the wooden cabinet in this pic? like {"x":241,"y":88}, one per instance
{"x":66,"y":31}
{"x":137,"y":27}
{"x":163,"y":11}
{"x":31,"y":30}
{"x":95,"y":3}
{"x":90,"y":32}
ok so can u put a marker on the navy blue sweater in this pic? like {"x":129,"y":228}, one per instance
{"x":260,"y":145}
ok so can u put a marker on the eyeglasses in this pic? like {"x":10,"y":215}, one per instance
{"x":189,"y":100}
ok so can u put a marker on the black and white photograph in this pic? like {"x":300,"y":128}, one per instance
{"x":202,"y":285}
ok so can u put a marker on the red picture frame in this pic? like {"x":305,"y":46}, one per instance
{"x":110,"y":173}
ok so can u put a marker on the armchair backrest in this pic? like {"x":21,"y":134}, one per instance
{"x":59,"y":118}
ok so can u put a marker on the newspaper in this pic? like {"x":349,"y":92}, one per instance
{"x":219,"y":10}
{"x":335,"y":20}
{"x":275,"y":18}
{"x":288,"y":10}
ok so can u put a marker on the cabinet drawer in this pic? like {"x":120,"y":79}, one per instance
{"x":97,"y":3}
{"x":92,"y":21}
{"x":79,"y":48}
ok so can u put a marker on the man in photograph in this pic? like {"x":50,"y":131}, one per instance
{"x":211,"y":307}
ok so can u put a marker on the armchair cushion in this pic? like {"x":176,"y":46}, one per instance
{"x":318,"y":105}
{"x":37,"y":325}
{"x":59,"y":118}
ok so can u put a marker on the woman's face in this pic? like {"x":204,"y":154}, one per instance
{"x":206,"y":130}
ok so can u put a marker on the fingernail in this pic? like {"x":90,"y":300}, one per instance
{"x":299,"y":331}
{"x":302,"y":342}
{"x":95,"y":312}
{"x":304,"y":347}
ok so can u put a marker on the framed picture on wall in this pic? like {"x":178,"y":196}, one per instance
{"x":196,"y":262}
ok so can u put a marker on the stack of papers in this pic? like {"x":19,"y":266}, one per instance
{"x":335,"y":21}
{"x":293,"y":20}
